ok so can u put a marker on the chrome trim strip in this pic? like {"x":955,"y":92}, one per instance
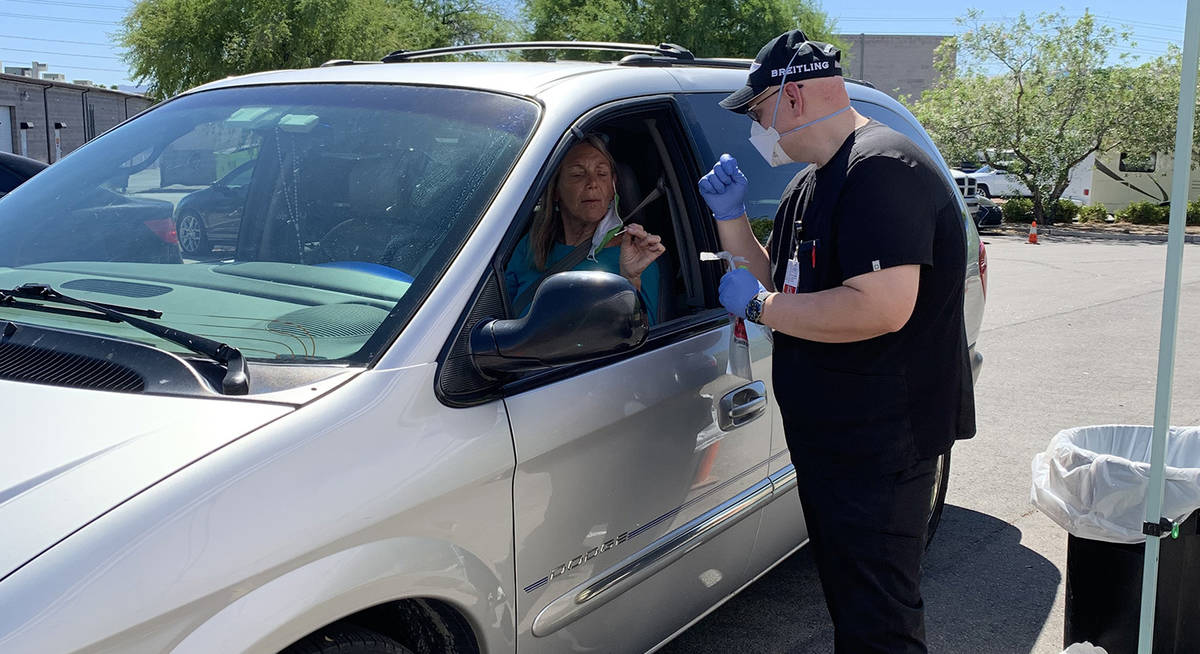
{"x":670,"y":514}
{"x":594,"y":593}
{"x":783,"y":480}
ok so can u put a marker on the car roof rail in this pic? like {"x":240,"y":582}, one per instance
{"x":665,"y":50}
{"x":648,"y":60}
{"x":663,"y":54}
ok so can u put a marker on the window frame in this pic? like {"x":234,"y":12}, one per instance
{"x":1135,"y":167}
{"x":686,"y":211}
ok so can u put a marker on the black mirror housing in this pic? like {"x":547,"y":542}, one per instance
{"x":575,"y":316}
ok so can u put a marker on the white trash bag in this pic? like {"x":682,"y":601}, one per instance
{"x":1085,"y":647}
{"x":1093,"y":481}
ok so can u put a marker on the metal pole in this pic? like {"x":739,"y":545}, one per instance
{"x":1184,"y":123}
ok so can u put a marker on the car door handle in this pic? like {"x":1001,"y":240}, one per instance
{"x":749,"y":408}
{"x":742,"y":405}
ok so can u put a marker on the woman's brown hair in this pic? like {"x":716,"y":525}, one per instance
{"x":547,"y":224}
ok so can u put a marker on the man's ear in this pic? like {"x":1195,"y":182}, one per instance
{"x":792,"y":99}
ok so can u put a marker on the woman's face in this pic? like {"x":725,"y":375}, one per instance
{"x":585,"y":184}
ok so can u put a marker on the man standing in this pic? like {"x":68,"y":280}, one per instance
{"x":862,"y":283}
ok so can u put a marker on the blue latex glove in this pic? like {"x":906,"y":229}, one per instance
{"x":738,"y":287}
{"x":724,"y":189}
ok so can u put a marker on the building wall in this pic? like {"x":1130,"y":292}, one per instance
{"x":44,"y":102}
{"x":64,"y":106}
{"x":897,"y":65}
{"x":136,"y":104}
{"x":106,"y":112}
{"x":27,"y":103}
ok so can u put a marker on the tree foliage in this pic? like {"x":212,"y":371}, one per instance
{"x":1054,"y":101}
{"x":720,"y":28}
{"x":177,"y":44}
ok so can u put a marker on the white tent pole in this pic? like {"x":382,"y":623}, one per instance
{"x":1184,"y":123}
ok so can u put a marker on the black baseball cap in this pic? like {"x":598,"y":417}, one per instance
{"x":786,"y":58}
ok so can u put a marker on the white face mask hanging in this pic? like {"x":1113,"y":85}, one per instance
{"x":609,"y":227}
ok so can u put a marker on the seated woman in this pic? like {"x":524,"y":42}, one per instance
{"x":579,"y":206}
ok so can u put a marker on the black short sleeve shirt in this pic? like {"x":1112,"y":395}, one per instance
{"x":887,"y":401}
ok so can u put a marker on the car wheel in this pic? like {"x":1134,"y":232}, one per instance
{"x":982,"y":189}
{"x":937,"y":500}
{"x":346,"y":639}
{"x":193,"y":239}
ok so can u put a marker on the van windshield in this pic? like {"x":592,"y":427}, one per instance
{"x":294,"y":222}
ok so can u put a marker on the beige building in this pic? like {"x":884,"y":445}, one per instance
{"x":31,"y":108}
{"x":895,"y":64}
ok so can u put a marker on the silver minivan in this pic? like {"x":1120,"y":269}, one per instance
{"x":331,"y":434}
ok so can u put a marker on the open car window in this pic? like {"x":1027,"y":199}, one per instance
{"x":671,"y":286}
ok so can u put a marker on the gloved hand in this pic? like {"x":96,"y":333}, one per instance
{"x":738,"y":287}
{"x":724,"y":189}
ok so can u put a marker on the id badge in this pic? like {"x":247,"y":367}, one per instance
{"x":791,"y":279}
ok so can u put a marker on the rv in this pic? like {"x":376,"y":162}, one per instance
{"x":1116,"y":180}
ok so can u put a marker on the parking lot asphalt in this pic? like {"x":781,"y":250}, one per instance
{"x":1070,"y":337}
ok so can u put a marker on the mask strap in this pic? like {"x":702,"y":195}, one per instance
{"x":779,"y":96}
{"x":814,"y":122}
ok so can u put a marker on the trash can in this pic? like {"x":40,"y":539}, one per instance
{"x":1092,"y":481}
{"x":1104,"y":593}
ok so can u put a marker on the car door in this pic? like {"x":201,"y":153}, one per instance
{"x":715,"y":131}
{"x":635,"y":474}
{"x":230,"y":197}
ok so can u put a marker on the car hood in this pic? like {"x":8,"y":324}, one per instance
{"x":70,"y":455}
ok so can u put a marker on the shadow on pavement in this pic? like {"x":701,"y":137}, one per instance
{"x":984,"y":592}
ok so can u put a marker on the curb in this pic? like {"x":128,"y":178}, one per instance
{"x":1082,"y":233}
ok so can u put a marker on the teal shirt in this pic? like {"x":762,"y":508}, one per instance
{"x":521,"y":272}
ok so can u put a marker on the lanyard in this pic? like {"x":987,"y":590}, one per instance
{"x":798,"y":242}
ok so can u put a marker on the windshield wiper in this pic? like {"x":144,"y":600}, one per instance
{"x":236,"y":381}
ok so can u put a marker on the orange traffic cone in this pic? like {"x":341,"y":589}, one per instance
{"x":1033,"y":233}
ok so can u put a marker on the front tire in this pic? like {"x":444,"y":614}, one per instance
{"x":193,"y":238}
{"x":346,"y":639}
{"x":937,"y":500}
{"x":982,"y":189}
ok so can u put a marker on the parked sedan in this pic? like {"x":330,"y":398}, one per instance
{"x":211,"y":216}
{"x":15,"y":169}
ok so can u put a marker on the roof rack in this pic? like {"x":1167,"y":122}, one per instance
{"x":665,"y":50}
{"x":663,"y":54}
{"x":860,"y":82}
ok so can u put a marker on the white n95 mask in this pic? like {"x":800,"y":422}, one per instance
{"x":766,"y":141}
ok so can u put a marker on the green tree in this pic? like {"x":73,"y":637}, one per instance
{"x":177,"y":44}
{"x":1055,"y":100}
{"x":721,"y":28}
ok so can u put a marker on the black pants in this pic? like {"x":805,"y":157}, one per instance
{"x":867,"y":535}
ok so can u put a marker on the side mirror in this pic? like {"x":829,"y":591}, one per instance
{"x":574,"y":316}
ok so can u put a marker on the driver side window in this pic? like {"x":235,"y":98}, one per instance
{"x":615,"y":176}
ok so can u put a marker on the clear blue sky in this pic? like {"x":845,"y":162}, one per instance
{"x":75,"y":36}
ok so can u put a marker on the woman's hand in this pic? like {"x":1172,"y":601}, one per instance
{"x":639,"y":249}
